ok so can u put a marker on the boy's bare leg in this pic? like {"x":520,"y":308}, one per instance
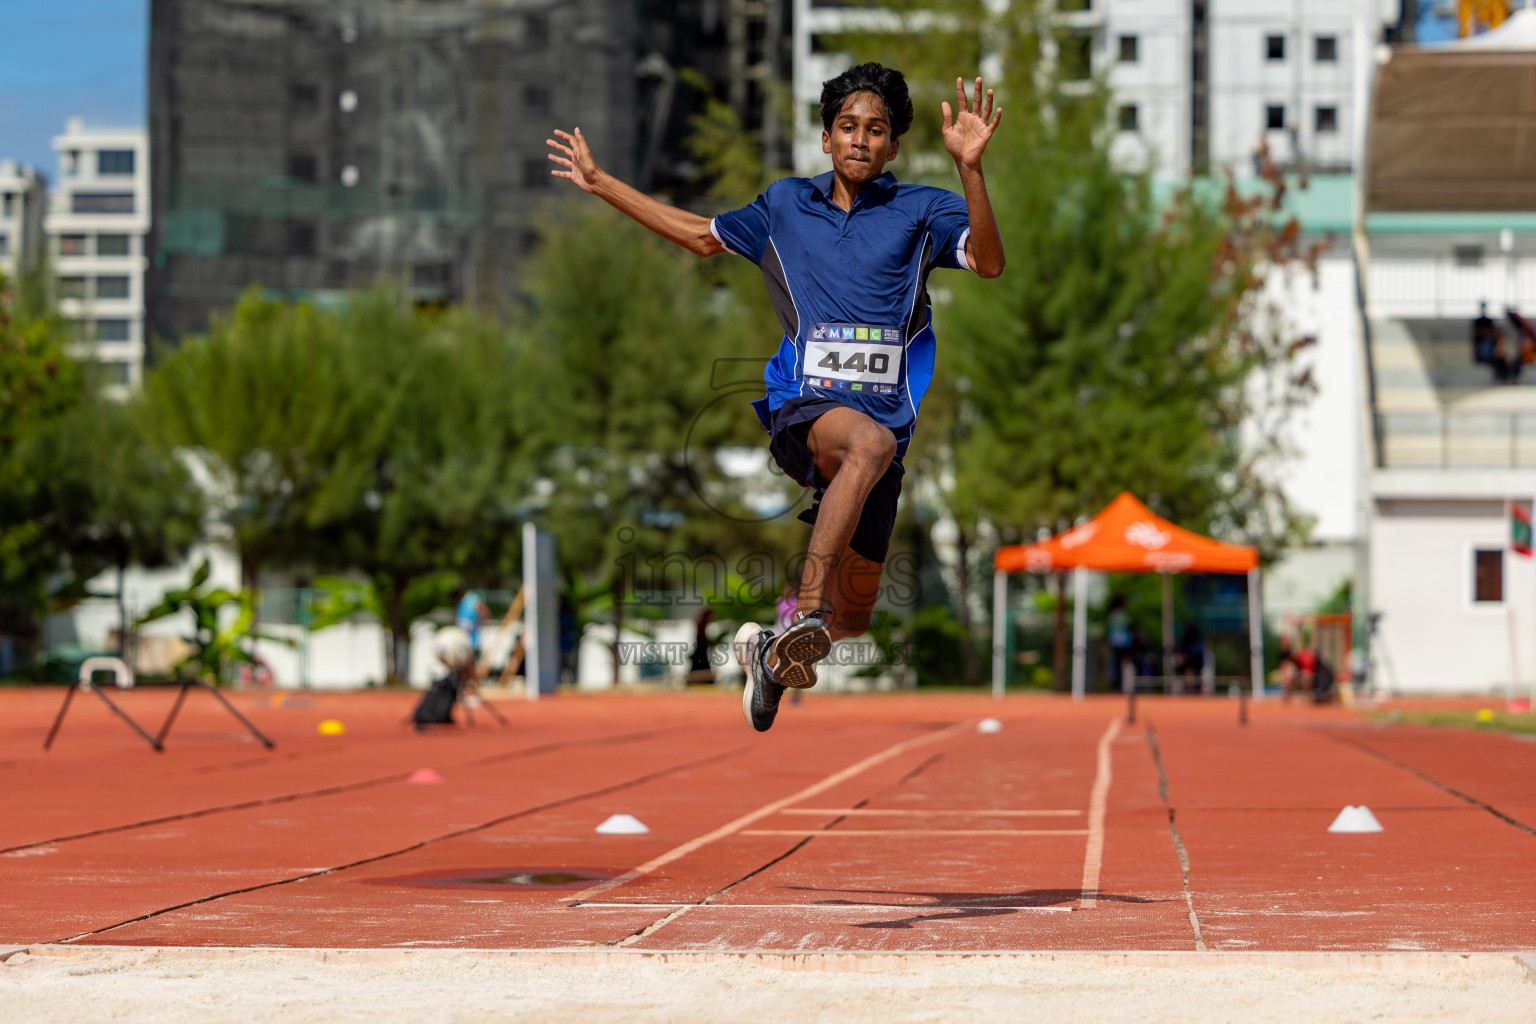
{"x":853,"y":452}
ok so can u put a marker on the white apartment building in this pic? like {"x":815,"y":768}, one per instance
{"x":97,"y":224}
{"x":23,"y":193}
{"x":1198,"y":83}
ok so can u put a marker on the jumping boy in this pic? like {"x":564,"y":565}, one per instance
{"x":846,"y":257}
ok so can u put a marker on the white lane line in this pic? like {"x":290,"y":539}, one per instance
{"x":697,"y":908}
{"x":1098,"y":802}
{"x":729,"y":828}
{"x":847,"y":811}
{"x":832,"y":832}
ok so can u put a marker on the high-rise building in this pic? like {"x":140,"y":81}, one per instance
{"x":97,"y":223}
{"x":1198,"y":84}
{"x":23,"y":194}
{"x":310,"y":146}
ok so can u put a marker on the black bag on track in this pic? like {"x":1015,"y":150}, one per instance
{"x":436,"y":707}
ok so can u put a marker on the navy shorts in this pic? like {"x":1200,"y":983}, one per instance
{"x":790,"y":425}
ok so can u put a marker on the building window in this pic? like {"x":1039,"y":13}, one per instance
{"x":536,"y":173}
{"x":304,"y":97}
{"x":1488,"y":575}
{"x":301,"y":238}
{"x":112,"y":245}
{"x":1325,"y":49}
{"x":536,"y":30}
{"x":1076,"y":56}
{"x":115,"y":371}
{"x":101,"y":202}
{"x":8,"y":204}
{"x":71,"y":161}
{"x":1274,"y":47}
{"x":1327,"y":120}
{"x":1128,"y":118}
{"x":71,"y":287}
{"x":301,"y":167}
{"x":5,"y":245}
{"x":72,"y":245}
{"x":1274,"y":117}
{"x":536,"y":97}
{"x":114,"y":162}
{"x":1128,"y":50}
{"x":111,"y":330}
{"x":113,"y":287}
{"x":1467,"y":255}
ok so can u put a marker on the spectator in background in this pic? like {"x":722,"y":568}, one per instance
{"x":471,"y":614}
{"x":1190,"y":656}
{"x":1485,"y":335}
{"x":1118,"y":628}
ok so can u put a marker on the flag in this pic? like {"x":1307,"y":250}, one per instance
{"x":1519,"y":530}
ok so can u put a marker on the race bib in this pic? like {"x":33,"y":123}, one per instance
{"x":853,"y":357}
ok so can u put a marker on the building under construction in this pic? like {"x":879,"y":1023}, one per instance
{"x":310,"y":146}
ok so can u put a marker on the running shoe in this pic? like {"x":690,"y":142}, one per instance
{"x":760,"y":696}
{"x":797,"y":650}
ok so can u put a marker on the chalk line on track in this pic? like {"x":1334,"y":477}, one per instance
{"x":916,"y":832}
{"x":773,"y":807}
{"x":348,"y":787}
{"x":1098,"y":802}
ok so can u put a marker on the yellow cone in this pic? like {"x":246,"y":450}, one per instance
{"x":331,"y":727}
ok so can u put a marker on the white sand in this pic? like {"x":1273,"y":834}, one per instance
{"x":61,"y":985}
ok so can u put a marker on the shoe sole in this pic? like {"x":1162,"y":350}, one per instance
{"x":739,"y":646}
{"x":798,"y":654}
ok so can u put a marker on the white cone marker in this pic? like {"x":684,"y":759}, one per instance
{"x":1355,"y":819}
{"x":622,"y":825}
{"x":989,"y":725}
{"x":424,"y":777}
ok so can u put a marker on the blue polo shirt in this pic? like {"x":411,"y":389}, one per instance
{"x":850,"y":289}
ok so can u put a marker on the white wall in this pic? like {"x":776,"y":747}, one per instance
{"x":1324,"y":481}
{"x":1436,"y":638}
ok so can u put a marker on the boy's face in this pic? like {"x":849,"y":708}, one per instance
{"x":860,"y":140}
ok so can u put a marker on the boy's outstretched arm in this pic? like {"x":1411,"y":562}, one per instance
{"x":966,"y":135}
{"x":688,"y":230}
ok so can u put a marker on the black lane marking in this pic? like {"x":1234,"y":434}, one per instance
{"x":349,"y":787}
{"x":1173,"y":830}
{"x":456,"y":834}
{"x":1458,"y":794}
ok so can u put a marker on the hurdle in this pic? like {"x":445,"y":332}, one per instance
{"x":181,"y":695}
{"x":122,"y":679}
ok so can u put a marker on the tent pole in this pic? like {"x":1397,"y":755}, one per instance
{"x":1168,"y":631}
{"x":999,"y":633}
{"x":1079,"y":633}
{"x":1255,"y":634}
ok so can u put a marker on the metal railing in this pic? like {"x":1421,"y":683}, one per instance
{"x":1448,"y":287}
{"x":1464,"y":440}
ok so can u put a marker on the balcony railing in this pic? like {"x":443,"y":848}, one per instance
{"x":1450,"y":287}
{"x":1460,"y":440}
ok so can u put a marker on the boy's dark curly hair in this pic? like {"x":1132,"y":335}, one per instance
{"x":887,"y":83}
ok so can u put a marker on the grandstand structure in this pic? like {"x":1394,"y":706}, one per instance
{"x":1445,"y":223}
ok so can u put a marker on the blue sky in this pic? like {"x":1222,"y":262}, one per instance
{"x":69,"y":58}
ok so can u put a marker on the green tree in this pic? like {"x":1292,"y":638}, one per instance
{"x":281,"y":419}
{"x":39,"y":383}
{"x":109,"y":498}
{"x":1118,"y":349}
{"x":450,"y":478}
{"x":629,"y":333}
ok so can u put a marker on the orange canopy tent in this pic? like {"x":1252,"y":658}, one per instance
{"x":1125,"y":537}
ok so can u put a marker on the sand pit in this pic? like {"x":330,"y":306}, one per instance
{"x":65,"y":985}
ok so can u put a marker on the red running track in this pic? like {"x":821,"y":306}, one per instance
{"x":868,"y":823}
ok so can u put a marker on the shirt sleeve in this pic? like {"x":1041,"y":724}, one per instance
{"x":744,"y":231}
{"x":949,"y":222}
